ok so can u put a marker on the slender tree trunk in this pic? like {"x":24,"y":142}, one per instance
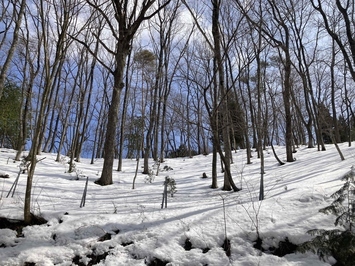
{"x":15,"y":36}
{"x":218,"y":72}
{"x":214,"y":166}
{"x":152,"y":120}
{"x":33,"y":155}
{"x":123,"y":117}
{"x":51,"y":111}
{"x":252,"y":115}
{"x":49,"y":73}
{"x":96,"y":149}
{"x":27,"y":92}
{"x":332,"y":86}
{"x":24,"y":122}
{"x":245,"y":128}
{"x":260,"y":123}
{"x":162,"y":127}
{"x":287,"y":104}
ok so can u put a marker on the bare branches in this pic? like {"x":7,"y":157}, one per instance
{"x":195,"y":18}
{"x":94,"y":52}
{"x":317,"y":5}
{"x":104,"y":10}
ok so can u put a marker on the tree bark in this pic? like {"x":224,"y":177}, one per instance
{"x":112,"y":119}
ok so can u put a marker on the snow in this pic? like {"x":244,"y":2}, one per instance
{"x":141,"y":231}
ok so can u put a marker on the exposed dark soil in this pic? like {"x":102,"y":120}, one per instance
{"x":205,"y":250}
{"x":105,"y":237}
{"x":227,"y":247}
{"x":284,"y":247}
{"x":76,"y":261}
{"x":94,"y":259}
{"x":188,"y":246}
{"x":108,"y":236}
{"x":155,"y":262}
{"x":18,"y":225}
{"x":125,"y":244}
{"x":258,"y":244}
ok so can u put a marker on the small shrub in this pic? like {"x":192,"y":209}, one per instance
{"x":25,"y":164}
{"x":171,"y":186}
{"x":150,"y":177}
{"x":337,"y":243}
{"x":167,"y":168}
{"x":78,"y":173}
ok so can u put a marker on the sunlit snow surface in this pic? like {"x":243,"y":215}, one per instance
{"x":140,"y":230}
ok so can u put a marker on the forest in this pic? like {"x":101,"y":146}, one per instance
{"x":160,"y":79}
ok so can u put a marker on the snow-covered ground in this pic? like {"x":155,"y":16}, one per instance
{"x":139,"y":232}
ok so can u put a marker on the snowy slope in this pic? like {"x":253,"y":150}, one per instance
{"x":139,"y":232}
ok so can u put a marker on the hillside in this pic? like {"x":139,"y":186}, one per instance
{"x":124,"y":226}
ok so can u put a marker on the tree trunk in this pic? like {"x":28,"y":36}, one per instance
{"x":15,"y":36}
{"x":112,"y":118}
{"x":50,"y":71}
{"x":260,"y":124}
{"x":128,"y":22}
{"x":287,"y":104}
{"x":219,"y":73}
{"x":336,"y":138}
{"x":26,"y":109}
{"x":123,"y":118}
{"x":214,"y":166}
{"x":98,"y":133}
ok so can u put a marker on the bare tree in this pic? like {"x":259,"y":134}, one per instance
{"x":51,"y":68}
{"x":28,"y":55}
{"x":196,"y":76}
{"x":146,"y":61}
{"x":100,"y":115}
{"x":123,"y":19}
{"x":276,"y":32}
{"x":128,"y":80}
{"x":167,"y":27}
{"x":300,"y":24}
{"x":15,"y":11}
{"x":340,"y":25}
{"x":218,"y":112}
{"x":346,"y":27}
